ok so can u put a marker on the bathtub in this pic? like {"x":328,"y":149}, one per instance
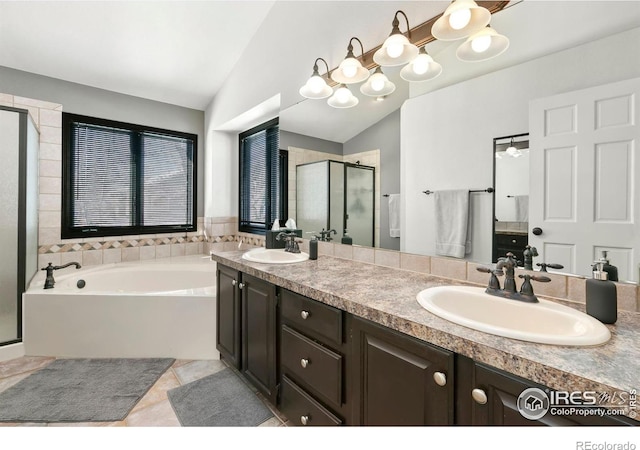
{"x":162,"y":308}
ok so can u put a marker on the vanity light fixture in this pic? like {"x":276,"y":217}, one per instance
{"x":316,"y":87}
{"x":512,"y":150}
{"x":422,"y":68}
{"x":343,"y":98}
{"x":396,"y":49}
{"x":378,"y":85}
{"x":350,"y":69}
{"x":461,"y":19}
{"x":482,"y":45}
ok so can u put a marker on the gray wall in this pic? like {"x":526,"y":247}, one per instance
{"x":384,"y":135}
{"x":80,"y":99}
{"x":289,"y":139}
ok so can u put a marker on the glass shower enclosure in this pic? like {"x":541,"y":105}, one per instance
{"x":334,"y":195}
{"x":19,"y":145}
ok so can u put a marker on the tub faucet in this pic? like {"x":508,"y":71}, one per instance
{"x":49,"y":282}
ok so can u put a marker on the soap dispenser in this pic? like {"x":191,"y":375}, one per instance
{"x":346,"y":239}
{"x":612,"y":271}
{"x":313,"y":247}
{"x":602,"y":298}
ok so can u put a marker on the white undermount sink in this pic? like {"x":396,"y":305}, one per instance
{"x":274,"y":256}
{"x":545,"y":322}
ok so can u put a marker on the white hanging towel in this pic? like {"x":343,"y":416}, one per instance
{"x":522,"y":208}
{"x":394,"y":215}
{"x":453,"y":234}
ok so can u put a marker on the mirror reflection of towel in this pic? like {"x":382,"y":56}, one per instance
{"x":453,"y":234}
{"x":394,"y":215}
{"x":522,"y":207}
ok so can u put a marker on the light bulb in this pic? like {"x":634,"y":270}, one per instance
{"x":349,"y":68}
{"x":315,"y":84}
{"x":343,"y":95}
{"x":395,"y":45}
{"x":420,"y":65}
{"x":377,"y":82}
{"x":481,"y":43}
{"x":511,"y":151}
{"x":460,"y":18}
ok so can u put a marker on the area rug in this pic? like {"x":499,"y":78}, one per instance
{"x":218,"y":400}
{"x":81,"y":390}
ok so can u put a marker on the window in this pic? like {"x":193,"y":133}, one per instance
{"x":262,"y":187}
{"x":121,"y":179}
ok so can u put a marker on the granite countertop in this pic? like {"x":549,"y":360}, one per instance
{"x":388,"y":296}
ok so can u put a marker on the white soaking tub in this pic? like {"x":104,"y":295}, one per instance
{"x":158,"y":308}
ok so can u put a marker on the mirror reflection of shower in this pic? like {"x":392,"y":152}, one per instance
{"x":339,"y":196}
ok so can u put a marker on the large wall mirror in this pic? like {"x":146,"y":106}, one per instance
{"x":441,"y":135}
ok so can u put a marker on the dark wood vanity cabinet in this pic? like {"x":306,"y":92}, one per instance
{"x":228,"y":319}
{"x":494,"y":401}
{"x":398,"y":379}
{"x":313,"y":362}
{"x":259,"y":335}
{"x":510,"y":242}
{"x":322,"y":366}
{"x":246,"y":327}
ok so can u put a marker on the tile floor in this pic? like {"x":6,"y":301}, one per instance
{"x":153,"y":410}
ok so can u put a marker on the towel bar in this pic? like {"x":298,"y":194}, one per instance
{"x":489,"y":190}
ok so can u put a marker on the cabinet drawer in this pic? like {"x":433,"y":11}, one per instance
{"x":301,"y":409}
{"x":512,"y":240}
{"x":316,"y":319}
{"x":312,"y":364}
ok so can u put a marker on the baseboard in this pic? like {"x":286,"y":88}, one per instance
{"x":11,"y":351}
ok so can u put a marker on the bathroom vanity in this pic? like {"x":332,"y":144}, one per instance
{"x":338,"y":342}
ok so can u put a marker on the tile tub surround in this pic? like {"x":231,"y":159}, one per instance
{"x":212,"y":233}
{"x":388,"y":296}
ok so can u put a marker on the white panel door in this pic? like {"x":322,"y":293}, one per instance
{"x":584,"y":177}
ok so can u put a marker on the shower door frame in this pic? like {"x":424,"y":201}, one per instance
{"x":344,"y":181}
{"x":22,"y":212}
{"x":373,"y":199}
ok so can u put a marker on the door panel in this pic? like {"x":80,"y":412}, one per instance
{"x":583,"y":174}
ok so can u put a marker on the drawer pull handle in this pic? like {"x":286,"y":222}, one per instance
{"x":233,"y":282}
{"x":479,"y":396}
{"x":513,"y":241}
{"x":304,"y":362}
{"x":240,"y":285}
{"x":304,"y":420}
{"x":304,"y":314}
{"x":440,"y":378}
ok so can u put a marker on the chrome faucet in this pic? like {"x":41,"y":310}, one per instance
{"x":291,"y":245}
{"x":506,"y":266}
{"x":49,"y":281}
